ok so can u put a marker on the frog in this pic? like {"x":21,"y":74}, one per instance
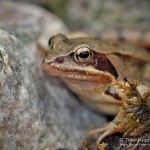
{"x":89,"y":66}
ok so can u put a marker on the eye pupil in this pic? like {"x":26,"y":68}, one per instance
{"x":84,"y":54}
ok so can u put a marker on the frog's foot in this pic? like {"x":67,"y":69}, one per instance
{"x":106,"y":131}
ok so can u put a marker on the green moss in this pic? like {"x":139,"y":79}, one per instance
{"x":58,"y":7}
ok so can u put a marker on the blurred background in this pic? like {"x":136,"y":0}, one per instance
{"x":95,"y":15}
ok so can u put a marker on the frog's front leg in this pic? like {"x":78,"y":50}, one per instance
{"x":108,"y":129}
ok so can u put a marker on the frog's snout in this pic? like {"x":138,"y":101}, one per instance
{"x":49,"y":65}
{"x":56,"y":60}
{"x":53,"y":66}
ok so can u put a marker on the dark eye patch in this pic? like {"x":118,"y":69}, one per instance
{"x":104,"y":64}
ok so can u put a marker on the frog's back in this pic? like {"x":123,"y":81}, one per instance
{"x":121,"y":48}
{"x":130,"y":62}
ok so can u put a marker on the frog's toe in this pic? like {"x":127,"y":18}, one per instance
{"x":107,"y":130}
{"x":104,"y":135}
{"x":95,"y":131}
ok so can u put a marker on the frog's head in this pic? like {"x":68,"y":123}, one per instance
{"x":76,"y":59}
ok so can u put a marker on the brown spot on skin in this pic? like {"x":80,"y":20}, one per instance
{"x":113,"y":94}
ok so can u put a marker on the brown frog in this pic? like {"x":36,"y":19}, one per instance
{"x":89,"y":66}
{"x":94,"y":70}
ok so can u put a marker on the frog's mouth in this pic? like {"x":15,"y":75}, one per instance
{"x":82,"y":73}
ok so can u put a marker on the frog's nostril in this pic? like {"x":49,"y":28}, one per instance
{"x":60,"y":59}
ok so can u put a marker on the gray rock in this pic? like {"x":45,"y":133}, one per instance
{"x":36,"y":111}
{"x":19,"y":118}
{"x":29,"y":22}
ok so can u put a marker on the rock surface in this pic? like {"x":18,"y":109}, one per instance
{"x":36,"y":111}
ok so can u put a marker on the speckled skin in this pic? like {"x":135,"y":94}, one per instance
{"x":91,"y":80}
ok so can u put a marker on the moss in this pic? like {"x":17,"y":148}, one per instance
{"x":58,"y":7}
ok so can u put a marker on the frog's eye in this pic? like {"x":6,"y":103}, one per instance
{"x":83,"y":54}
{"x":50,"y":43}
